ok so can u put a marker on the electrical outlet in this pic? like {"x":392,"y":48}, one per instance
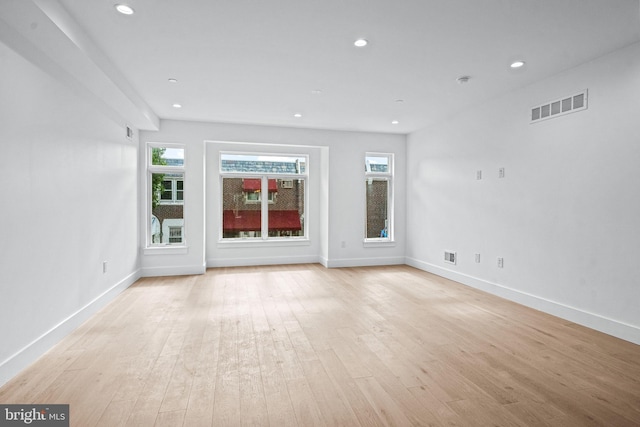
{"x":104,"y":266}
{"x":501,"y":173}
{"x":343,"y":244}
{"x":478,"y":258}
{"x":478,"y":175}
{"x":500,"y":262}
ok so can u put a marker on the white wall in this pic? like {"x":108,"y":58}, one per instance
{"x":566,"y":216}
{"x":337,"y":201}
{"x":69,"y":202}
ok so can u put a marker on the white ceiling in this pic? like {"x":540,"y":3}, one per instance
{"x":258,"y":61}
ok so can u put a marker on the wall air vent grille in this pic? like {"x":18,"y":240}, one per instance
{"x":559,"y":107}
{"x":450,"y":257}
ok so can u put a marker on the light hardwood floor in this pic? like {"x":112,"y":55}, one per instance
{"x":304,"y":345}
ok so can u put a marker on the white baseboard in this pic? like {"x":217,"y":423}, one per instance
{"x":363,"y":262}
{"x":595,"y":321}
{"x":305,"y":259}
{"x":279,"y":260}
{"x":181,"y":270}
{"x":32,"y":351}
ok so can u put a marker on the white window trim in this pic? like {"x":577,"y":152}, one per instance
{"x":369,"y":242}
{"x":378,"y":242}
{"x":259,"y":243}
{"x":164,"y":248}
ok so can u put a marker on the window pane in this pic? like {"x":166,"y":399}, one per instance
{"x":167,"y":209}
{"x":166,"y":190}
{"x":295,"y":165}
{"x":240,"y":217}
{"x":286,"y":208}
{"x":535,"y":113}
{"x":179,"y":190}
{"x":377,"y":205}
{"x":546,"y":110}
{"x":377,"y":164}
{"x":165,"y":156}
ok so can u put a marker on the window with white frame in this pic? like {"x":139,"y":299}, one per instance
{"x":175,"y":234}
{"x":172,"y":188}
{"x":379,"y":197}
{"x":246,"y":213}
{"x":165,"y":194}
{"x":256,"y":196}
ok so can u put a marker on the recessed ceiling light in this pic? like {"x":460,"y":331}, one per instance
{"x":177,"y":105}
{"x":517,"y":64}
{"x":124,"y":9}
{"x":395,"y":122}
{"x":316,"y":92}
{"x":297,"y":115}
{"x":173,"y":80}
{"x":399,"y":101}
{"x":463,"y":79}
{"x":360,"y":43}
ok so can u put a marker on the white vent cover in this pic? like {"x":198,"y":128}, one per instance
{"x":560,"y":107}
{"x":450,"y":257}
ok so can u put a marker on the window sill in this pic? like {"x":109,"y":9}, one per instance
{"x":258,"y":243}
{"x":378,"y":243}
{"x":166,"y":250}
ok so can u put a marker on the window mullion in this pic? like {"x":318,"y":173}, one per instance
{"x":264,"y":208}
